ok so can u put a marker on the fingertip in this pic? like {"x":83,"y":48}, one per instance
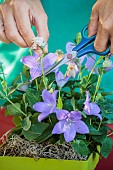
{"x":46,"y":49}
{"x":38,"y":51}
{"x":92,"y":29}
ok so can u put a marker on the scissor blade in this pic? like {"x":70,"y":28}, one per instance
{"x":56,"y":65}
{"x":65,"y":59}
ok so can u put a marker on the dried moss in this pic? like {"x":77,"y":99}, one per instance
{"x":16,"y":146}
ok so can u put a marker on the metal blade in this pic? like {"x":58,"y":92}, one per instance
{"x":66,"y":58}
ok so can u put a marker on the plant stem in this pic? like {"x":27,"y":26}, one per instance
{"x":97,"y":86}
{"x":5,"y":97}
{"x":93,"y":69}
{"x":36,"y":81}
{"x":44,"y":78}
{"x":21,"y":77}
{"x":4,"y":80}
{"x":110,"y":134}
{"x":3,"y":73}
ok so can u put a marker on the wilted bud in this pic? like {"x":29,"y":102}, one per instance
{"x":107,"y":63}
{"x":60,"y":55}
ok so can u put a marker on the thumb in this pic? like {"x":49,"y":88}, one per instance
{"x":93,"y":24}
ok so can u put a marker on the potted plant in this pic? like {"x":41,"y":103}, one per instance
{"x":60,"y":118}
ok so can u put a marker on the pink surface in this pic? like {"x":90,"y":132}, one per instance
{"x":6,"y":123}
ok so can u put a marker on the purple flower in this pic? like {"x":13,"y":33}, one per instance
{"x":61,"y":79}
{"x":70,"y":46}
{"x":48,"y":106}
{"x":91,"y":108}
{"x":69,"y":123}
{"x":90,"y":63}
{"x":35,"y":65}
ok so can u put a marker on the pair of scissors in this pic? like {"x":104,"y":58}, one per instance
{"x":84,"y":47}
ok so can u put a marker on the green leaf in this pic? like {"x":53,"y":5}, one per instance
{"x":15,"y":80}
{"x":99,"y":139}
{"x":79,"y":136}
{"x":93,"y":79}
{"x":80,"y":147}
{"x":72,"y":83}
{"x":1,"y":79}
{"x":4,"y":86}
{"x":51,"y":78}
{"x":33,"y":96}
{"x":73,"y":103}
{"x":17,"y":120}
{"x":107,"y":93}
{"x":47,"y":133}
{"x":106,"y":147}
{"x":26,"y":72}
{"x":108,"y":121}
{"x":12,"y":110}
{"x":67,"y":105}
{"x":26,"y":123}
{"x":41,"y":85}
{"x":34,"y":118}
{"x":78,"y":38}
{"x":35,"y":131}
{"x":93,"y":131}
{"x":62,"y":140}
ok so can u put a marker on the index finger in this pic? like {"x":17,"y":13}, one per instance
{"x":24,"y":26}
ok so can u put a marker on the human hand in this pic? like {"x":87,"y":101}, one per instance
{"x":16,"y":18}
{"x":101,"y":23}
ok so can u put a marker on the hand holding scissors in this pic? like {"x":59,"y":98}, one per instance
{"x":84,"y":47}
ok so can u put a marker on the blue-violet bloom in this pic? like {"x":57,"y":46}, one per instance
{"x":61,"y":79}
{"x":91,"y":108}
{"x":69,"y":123}
{"x":34,"y":63}
{"x":48,"y":106}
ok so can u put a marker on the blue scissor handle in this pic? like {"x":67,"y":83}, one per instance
{"x":83,"y":48}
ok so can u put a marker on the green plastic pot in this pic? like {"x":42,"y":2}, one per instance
{"x":24,"y":163}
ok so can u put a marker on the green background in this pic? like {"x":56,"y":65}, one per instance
{"x":66,"y":18}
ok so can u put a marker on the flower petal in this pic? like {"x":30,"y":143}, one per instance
{"x":94,"y":108}
{"x":60,"y":127}
{"x":75,"y":115}
{"x":42,"y":107}
{"x":42,"y":116}
{"x":90,"y":62}
{"x":83,"y":58}
{"x":81,"y":127}
{"x":30,"y":61}
{"x":54,"y":95}
{"x":87,"y":96}
{"x":35,"y":72}
{"x":49,"y":60}
{"x":70,"y":133}
{"x":60,"y":79}
{"x":59,"y":76}
{"x":47,"y":97}
{"x":61,"y":114}
{"x":69,"y":46}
